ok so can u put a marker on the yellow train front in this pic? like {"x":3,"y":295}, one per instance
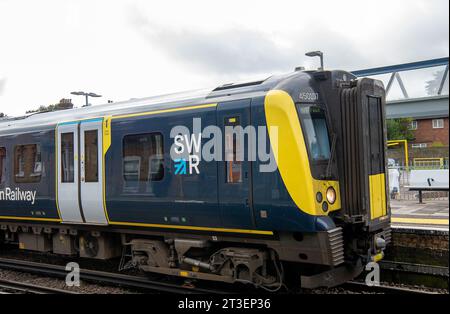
{"x":160,"y":181}
{"x":331,"y":158}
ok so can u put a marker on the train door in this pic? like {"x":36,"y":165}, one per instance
{"x":235,"y":197}
{"x":91,"y":171}
{"x":80,"y":172}
{"x":67,"y":173}
{"x":377,"y":179}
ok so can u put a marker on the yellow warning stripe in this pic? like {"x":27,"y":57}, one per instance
{"x":163,"y":111}
{"x":420,"y":221}
{"x":136,"y":224}
{"x":30,"y":218}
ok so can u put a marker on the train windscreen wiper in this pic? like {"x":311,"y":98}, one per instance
{"x":330,"y":161}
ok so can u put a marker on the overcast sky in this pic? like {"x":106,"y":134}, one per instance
{"x":128,"y":49}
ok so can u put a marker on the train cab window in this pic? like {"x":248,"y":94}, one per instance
{"x":233,"y":167}
{"x":143,"y":158}
{"x":67,"y":158}
{"x":314,"y":125}
{"x":91,"y":156}
{"x":28,"y":167}
{"x":2,"y":165}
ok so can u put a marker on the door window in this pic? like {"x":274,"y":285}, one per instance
{"x":91,"y":156}
{"x":233,"y":167}
{"x":67,"y":158}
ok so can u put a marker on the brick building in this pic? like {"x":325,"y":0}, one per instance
{"x":430,"y":132}
{"x":430,"y":119}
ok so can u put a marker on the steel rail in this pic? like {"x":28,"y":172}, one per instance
{"x":29,"y":288}
{"x":102,"y":277}
{"x":361,"y":286}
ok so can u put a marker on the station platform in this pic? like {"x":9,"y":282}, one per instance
{"x":428,"y":215}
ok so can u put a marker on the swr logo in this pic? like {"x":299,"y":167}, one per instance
{"x":181,"y":165}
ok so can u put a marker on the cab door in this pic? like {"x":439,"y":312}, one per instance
{"x":234,"y":176}
{"x":91,"y":171}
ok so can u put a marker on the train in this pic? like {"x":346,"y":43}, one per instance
{"x":160,"y":184}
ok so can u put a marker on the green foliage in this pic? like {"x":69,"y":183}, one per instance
{"x":62,"y":105}
{"x":2,"y":115}
{"x":399,"y":129}
{"x":437,"y":144}
{"x":433,"y":85}
{"x":43,"y":109}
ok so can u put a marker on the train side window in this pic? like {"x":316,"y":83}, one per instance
{"x":143,"y":157}
{"x":2,"y":165}
{"x":28,"y":167}
{"x":91,"y":156}
{"x":67,"y":158}
{"x":233,"y":167}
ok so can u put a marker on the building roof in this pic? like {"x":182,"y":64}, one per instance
{"x":418,"y":108}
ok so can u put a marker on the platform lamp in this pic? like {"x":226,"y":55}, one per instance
{"x":87,"y":95}
{"x":316,"y":54}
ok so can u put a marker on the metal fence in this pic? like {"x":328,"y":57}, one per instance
{"x":404,"y":180}
{"x":430,"y":163}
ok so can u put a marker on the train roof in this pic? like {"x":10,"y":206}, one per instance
{"x":226,"y":92}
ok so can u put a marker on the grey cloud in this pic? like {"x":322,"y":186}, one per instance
{"x":419,"y":35}
{"x":243,"y":50}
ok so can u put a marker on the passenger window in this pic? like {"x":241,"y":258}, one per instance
{"x":28,"y":167}
{"x":2,"y":165}
{"x":143,"y":157}
{"x":67,"y":158}
{"x":233,"y":167}
{"x":91,"y":156}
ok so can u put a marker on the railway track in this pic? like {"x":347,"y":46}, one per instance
{"x":100,"y":277}
{"x":12,"y":287}
{"x":144,"y":283}
{"x":386,"y":289}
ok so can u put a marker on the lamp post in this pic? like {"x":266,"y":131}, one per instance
{"x":316,"y":54}
{"x":87,"y":95}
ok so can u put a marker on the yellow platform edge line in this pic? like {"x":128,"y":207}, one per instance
{"x":425,"y":221}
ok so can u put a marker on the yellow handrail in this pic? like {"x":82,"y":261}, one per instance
{"x":405,"y":145}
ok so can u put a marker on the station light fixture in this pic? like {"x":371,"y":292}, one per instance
{"x":87,"y":95}
{"x":316,"y":54}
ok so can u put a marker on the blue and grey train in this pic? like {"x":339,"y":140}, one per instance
{"x":100,"y":182}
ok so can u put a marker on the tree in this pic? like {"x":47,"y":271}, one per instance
{"x":399,"y":129}
{"x":2,"y":115}
{"x":62,"y":105}
{"x":433,"y":85}
{"x":42,"y":109}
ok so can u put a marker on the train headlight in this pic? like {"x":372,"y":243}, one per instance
{"x":319,"y":197}
{"x":331,"y":195}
